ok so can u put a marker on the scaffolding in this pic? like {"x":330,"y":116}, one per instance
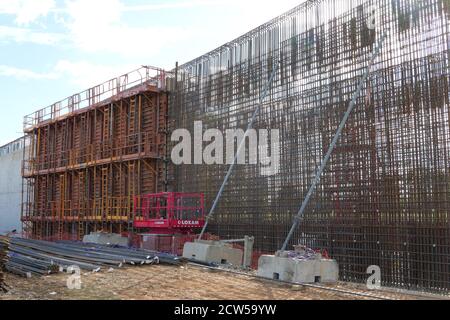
{"x":89,"y":157}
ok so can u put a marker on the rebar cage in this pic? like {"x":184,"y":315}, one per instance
{"x":385,"y":196}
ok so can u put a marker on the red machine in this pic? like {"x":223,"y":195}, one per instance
{"x":169,"y":213}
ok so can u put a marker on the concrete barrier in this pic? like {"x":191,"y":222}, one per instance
{"x":213,"y":252}
{"x":298,"y":271}
{"x":106,"y":239}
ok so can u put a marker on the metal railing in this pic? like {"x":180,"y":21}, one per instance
{"x":90,"y":97}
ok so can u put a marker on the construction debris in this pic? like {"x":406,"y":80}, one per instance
{"x":303,"y":253}
{"x":33,"y":257}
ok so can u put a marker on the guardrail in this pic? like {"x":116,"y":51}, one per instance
{"x":97,"y":94}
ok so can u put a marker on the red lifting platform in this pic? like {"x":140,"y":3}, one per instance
{"x":166,"y":213}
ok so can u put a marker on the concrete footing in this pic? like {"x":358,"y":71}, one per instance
{"x":213,"y":252}
{"x":106,"y":239}
{"x":287,"y":269}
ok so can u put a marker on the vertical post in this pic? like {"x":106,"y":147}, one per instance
{"x":248,"y":251}
{"x":168,"y":128}
{"x":23,"y":182}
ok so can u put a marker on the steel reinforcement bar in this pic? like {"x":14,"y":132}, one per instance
{"x":384,"y":198}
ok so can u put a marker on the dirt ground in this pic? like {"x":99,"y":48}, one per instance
{"x":174,"y":283}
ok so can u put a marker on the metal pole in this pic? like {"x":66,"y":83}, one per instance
{"x":316,"y":181}
{"x":242,"y":144}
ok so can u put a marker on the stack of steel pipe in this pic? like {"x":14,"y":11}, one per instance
{"x":4,"y":245}
{"x":32,"y":257}
{"x":163,"y":258}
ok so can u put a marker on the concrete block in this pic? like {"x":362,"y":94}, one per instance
{"x":106,"y":239}
{"x":307,"y":271}
{"x":298,"y":271}
{"x":276,"y":268}
{"x":329,"y":271}
{"x":213,"y":252}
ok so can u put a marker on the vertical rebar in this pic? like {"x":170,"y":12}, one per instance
{"x":262,"y":98}
{"x":332,"y":147}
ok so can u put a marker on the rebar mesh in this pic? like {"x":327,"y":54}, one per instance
{"x":385,"y":196}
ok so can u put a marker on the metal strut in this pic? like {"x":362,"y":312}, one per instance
{"x":316,"y":181}
{"x":242,"y":144}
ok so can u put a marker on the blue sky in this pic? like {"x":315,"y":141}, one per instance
{"x":50,"y":49}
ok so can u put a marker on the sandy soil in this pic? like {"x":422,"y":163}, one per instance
{"x":167,"y":283}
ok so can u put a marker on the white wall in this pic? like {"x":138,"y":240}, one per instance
{"x":10,"y":189}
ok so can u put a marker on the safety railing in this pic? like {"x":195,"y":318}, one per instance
{"x":146,"y":74}
{"x":176,"y":206}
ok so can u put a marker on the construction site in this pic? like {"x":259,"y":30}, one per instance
{"x":355,"y":102}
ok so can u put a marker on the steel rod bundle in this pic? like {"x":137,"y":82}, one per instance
{"x":163,"y":258}
{"x":33,"y":257}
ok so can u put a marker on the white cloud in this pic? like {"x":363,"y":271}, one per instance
{"x":25,"y":74}
{"x":107,"y":33}
{"x":21,"y":35}
{"x":26,"y":11}
{"x":252,"y":13}
{"x":100,"y":26}
{"x":80,"y":74}
{"x":84,"y":74}
{"x":175,"y":5}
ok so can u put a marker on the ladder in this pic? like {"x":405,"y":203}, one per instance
{"x":131,"y":193}
{"x":83,"y":141}
{"x":80,"y":230}
{"x":62,"y":190}
{"x":104,"y":181}
{"x":132,"y":118}
{"x":81,"y":208}
{"x":122,"y":129}
{"x":131,"y":141}
{"x":63,"y":156}
{"x":38,"y":230}
{"x":162,"y":133}
{"x":106,"y":132}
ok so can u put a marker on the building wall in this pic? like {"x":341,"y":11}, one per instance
{"x":10,"y":186}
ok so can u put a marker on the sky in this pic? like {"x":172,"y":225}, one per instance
{"x":51,"y":49}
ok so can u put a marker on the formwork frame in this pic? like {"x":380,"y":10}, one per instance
{"x":86,"y":164}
